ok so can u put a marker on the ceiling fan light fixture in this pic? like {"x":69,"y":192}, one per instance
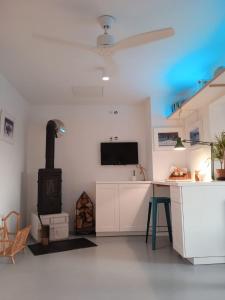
{"x":105,"y":78}
{"x":106,"y":21}
{"x":105,"y":40}
{"x":105,"y":75}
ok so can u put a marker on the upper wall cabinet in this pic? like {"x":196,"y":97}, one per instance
{"x":213,"y":90}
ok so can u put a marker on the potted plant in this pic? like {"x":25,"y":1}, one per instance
{"x":219,"y":154}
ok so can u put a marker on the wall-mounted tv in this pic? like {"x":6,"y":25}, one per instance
{"x":119,"y":153}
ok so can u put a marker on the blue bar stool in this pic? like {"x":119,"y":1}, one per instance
{"x":153,"y":205}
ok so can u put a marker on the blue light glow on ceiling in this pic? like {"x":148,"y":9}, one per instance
{"x":200,"y":64}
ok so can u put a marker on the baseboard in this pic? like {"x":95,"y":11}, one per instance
{"x":207,"y":260}
{"x":128,"y":233}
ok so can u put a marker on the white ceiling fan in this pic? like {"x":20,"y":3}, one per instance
{"x":107,"y":41}
{"x":106,"y":45}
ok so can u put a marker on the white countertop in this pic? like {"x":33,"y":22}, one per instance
{"x":188,"y":183}
{"x":167,"y":182}
{"x":125,"y":182}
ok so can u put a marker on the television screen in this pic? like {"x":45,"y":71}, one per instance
{"x":120,"y":153}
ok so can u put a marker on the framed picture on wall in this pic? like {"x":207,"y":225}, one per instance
{"x":194,"y":133}
{"x":166,"y":138}
{"x":7,"y":127}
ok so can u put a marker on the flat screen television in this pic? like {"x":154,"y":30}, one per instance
{"x":119,"y":153}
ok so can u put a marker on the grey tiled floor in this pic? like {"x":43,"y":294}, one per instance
{"x":119,"y":268}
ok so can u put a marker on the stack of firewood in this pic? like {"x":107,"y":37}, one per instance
{"x":84,"y":222}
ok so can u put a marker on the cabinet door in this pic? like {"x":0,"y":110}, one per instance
{"x":107,"y":208}
{"x":204,"y":220}
{"x":177,"y":220}
{"x":133,"y":200}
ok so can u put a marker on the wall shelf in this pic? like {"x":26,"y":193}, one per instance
{"x":213,"y":90}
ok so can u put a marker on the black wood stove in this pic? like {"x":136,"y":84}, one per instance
{"x":49,"y":178}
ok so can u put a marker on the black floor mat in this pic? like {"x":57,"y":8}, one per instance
{"x":60,"y":246}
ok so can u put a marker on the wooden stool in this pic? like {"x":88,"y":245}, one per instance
{"x":153,"y":203}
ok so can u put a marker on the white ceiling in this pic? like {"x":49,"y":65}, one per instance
{"x":47,"y":72}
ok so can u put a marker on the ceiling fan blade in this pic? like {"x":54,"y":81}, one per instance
{"x":59,"y":41}
{"x":143,"y":38}
{"x":105,"y":53}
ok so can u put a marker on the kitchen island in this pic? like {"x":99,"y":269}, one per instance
{"x":198,"y":220}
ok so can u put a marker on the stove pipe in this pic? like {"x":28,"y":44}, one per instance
{"x":50,"y":144}
{"x":49,"y":178}
{"x":54,"y":129}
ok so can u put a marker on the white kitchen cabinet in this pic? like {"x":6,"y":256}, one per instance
{"x":133,"y":205}
{"x":177,"y":220}
{"x":198,"y":221}
{"x":122,"y":207}
{"x":107,"y":208}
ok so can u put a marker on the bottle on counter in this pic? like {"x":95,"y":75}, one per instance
{"x":197,"y":175}
{"x":133,"y":178}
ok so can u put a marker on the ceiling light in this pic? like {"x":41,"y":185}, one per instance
{"x":105,"y":77}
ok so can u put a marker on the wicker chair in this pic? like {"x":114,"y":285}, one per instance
{"x":2,"y":233}
{"x":9,"y":248}
{"x":6,"y":220}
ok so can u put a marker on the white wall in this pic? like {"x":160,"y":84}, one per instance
{"x":163,"y":160}
{"x":78,"y":151}
{"x":148,"y":129}
{"x":212,"y":121}
{"x":198,"y":156}
{"x":217,"y":120}
{"x":12,"y":156}
{"x":217,"y":117}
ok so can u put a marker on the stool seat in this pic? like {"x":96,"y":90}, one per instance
{"x":160,"y":199}
{"x":153,"y":205}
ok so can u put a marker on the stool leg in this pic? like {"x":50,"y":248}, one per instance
{"x":154,"y":223}
{"x":148,"y":222}
{"x":167,"y":210}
